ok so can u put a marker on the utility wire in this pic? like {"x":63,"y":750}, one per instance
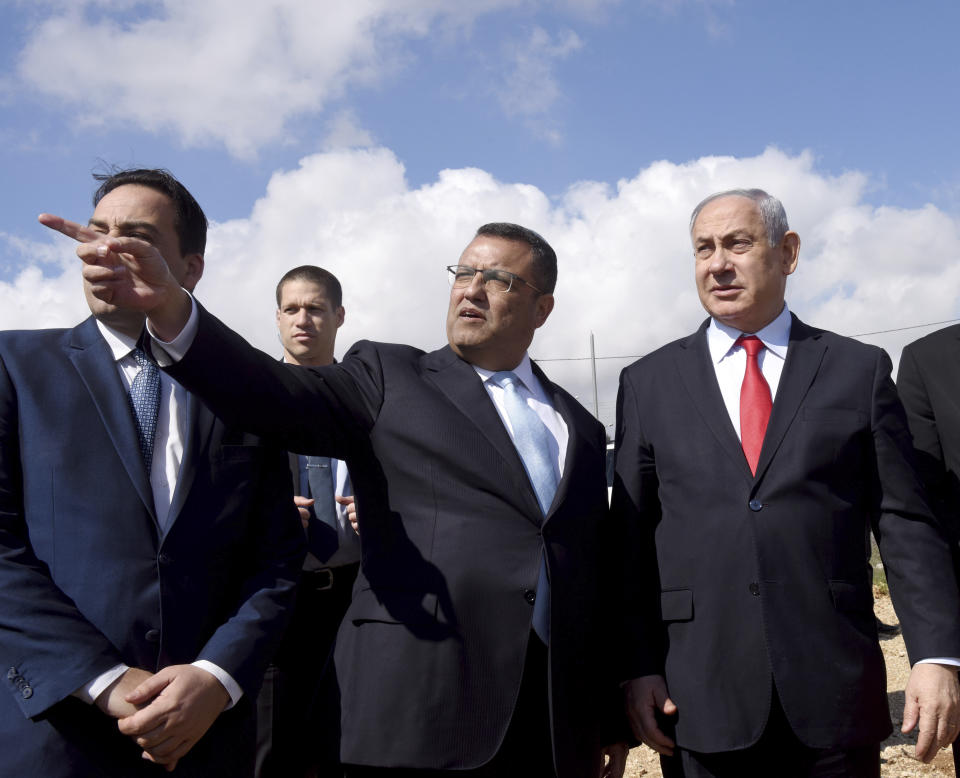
{"x":858,"y":335}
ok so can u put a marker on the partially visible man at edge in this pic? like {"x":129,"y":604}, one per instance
{"x":929,"y":384}
{"x":752,"y":458}
{"x":148,"y":551}
{"x":474,"y":643}
{"x":298,"y":710}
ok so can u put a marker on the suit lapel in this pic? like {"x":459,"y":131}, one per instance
{"x":804,"y":356}
{"x":293,"y":460}
{"x":700,"y":380}
{"x":198,"y":426}
{"x":94,"y":362}
{"x":578,"y":435}
{"x":460,"y":383}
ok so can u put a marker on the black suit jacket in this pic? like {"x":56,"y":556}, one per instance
{"x":929,"y":385}
{"x":735,"y":583}
{"x":88,"y":581}
{"x":431,"y":652}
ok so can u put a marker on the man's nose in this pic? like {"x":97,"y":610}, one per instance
{"x":476,"y":286}
{"x":720,"y":261}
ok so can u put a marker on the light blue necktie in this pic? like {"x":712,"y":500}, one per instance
{"x":145,"y":401}
{"x":534,"y":443}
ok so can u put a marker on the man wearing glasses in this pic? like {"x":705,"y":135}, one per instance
{"x":474,"y":641}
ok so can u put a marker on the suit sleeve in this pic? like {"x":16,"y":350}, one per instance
{"x":326,"y":411}
{"x":916,"y":555}
{"x":924,"y":429}
{"x":635,"y":513}
{"x":244,"y":644}
{"x":48,"y":649}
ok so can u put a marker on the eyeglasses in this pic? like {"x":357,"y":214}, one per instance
{"x":493,"y":280}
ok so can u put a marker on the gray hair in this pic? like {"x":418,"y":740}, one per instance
{"x":771,"y":211}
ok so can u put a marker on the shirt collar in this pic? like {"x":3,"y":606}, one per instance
{"x":775,"y":336}
{"x":524,"y":372}
{"x":120,"y":344}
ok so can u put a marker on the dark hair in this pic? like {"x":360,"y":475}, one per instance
{"x":315,"y":275}
{"x":544,"y":257}
{"x":188,"y":219}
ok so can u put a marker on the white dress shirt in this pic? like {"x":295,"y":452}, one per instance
{"x":164,"y":472}
{"x":730,"y":361}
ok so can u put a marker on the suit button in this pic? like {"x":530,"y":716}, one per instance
{"x":755,"y":589}
{"x":26,"y":692}
{"x":530,"y":596}
{"x":11,"y":673}
{"x":164,"y":559}
{"x":756,"y":505}
{"x":152,"y":636}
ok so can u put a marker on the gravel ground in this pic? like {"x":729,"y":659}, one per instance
{"x":897,"y":754}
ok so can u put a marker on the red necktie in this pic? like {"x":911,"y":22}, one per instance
{"x":755,"y":402}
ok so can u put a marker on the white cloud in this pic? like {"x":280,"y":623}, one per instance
{"x":530,"y":87}
{"x":344,"y":132}
{"x":212,"y":71}
{"x":626,"y":270}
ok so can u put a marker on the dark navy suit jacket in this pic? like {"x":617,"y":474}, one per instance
{"x":88,"y":581}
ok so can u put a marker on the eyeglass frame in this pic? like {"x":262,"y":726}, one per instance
{"x":488,"y":274}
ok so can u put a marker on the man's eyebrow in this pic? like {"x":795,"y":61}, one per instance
{"x":128,"y":226}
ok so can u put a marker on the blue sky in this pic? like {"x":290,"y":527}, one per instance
{"x":599,"y":122}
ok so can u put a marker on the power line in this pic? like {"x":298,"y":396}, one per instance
{"x":901,"y":329}
{"x":858,"y":335}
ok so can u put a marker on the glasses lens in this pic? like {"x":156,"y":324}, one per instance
{"x":461,"y":275}
{"x":497,"y":281}
{"x":493,"y":280}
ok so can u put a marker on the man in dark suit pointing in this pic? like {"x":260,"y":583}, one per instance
{"x":752,"y":458}
{"x":474,"y":641}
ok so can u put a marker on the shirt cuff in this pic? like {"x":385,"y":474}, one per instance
{"x":232,"y":687}
{"x":168,"y":353}
{"x":89,"y":692}
{"x":949,"y":661}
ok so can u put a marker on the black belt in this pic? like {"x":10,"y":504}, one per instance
{"x":325,"y":578}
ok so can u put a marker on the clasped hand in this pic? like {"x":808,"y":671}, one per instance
{"x":165,"y":713}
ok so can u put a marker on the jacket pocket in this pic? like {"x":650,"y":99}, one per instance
{"x":393,"y":607}
{"x":851,"y":598}
{"x":676,"y":604}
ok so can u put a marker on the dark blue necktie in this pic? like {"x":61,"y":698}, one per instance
{"x":145,"y":402}
{"x":533,"y":442}
{"x":320,"y":479}
{"x":323,"y":536}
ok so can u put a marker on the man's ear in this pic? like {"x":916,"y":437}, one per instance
{"x":544,"y":307}
{"x":791,"y":251}
{"x":194,"y":271}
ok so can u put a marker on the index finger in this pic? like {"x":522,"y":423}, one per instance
{"x":78,"y":232}
{"x":926,"y":747}
{"x":654,"y":737}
